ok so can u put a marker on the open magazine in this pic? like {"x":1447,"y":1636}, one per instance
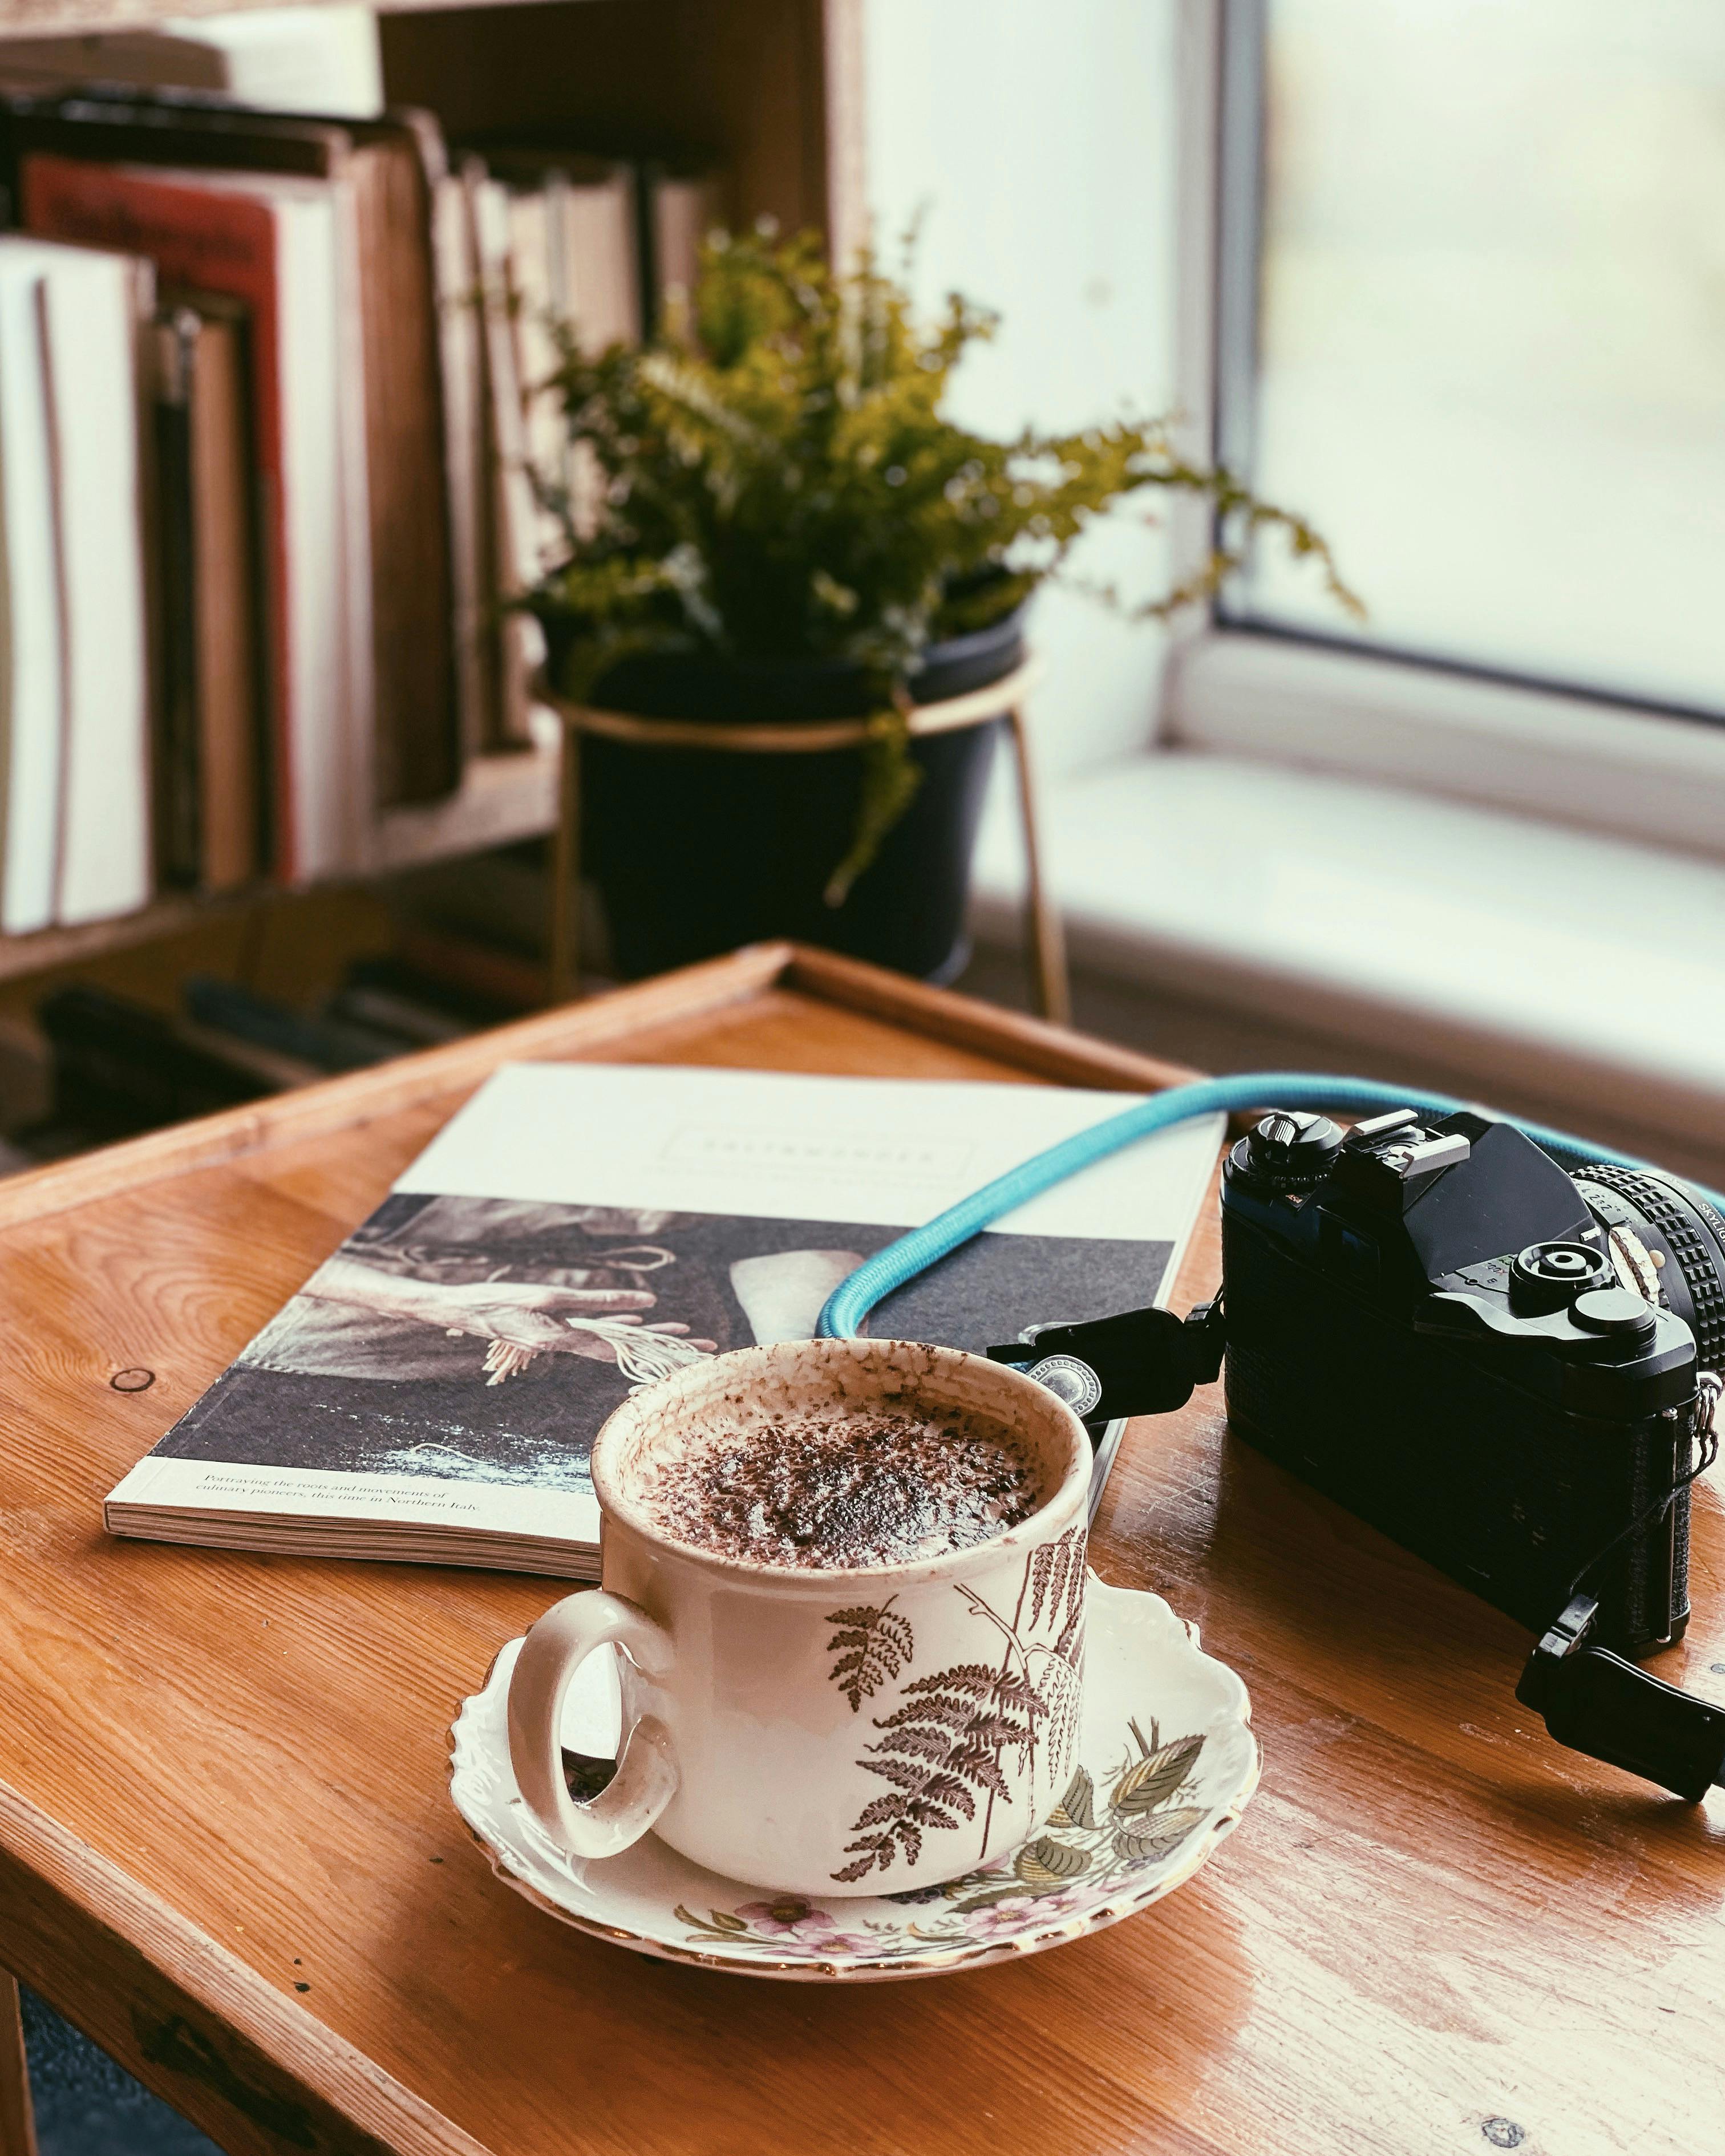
{"x":577,"y":1231}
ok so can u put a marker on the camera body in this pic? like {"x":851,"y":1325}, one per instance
{"x":1492,"y":1361}
{"x":1513,"y":1371}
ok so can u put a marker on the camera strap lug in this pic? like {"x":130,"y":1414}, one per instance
{"x":1207,"y":1338}
{"x":1141,"y":1362}
{"x":1596,"y":1702}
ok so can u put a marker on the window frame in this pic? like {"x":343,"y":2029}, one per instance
{"x":1565,"y":751}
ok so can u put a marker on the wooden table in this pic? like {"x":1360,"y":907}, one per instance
{"x":226,"y":1850}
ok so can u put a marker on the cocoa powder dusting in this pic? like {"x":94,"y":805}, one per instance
{"x":858,"y":1489}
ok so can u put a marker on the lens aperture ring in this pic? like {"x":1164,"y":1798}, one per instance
{"x":1695,"y":1235}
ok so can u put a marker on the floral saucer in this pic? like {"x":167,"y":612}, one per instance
{"x":1168,"y":1765}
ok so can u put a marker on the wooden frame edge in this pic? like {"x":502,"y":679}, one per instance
{"x":1035,"y":1044}
{"x":359,"y":1095}
{"x":206,"y":2033}
{"x":1045,"y":1050}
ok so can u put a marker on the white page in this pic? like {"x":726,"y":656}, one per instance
{"x":33,"y":687}
{"x":761,"y":1143}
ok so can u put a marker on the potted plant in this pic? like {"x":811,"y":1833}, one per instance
{"x":784,"y":527}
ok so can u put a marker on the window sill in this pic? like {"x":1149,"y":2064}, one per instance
{"x":1511,"y":956}
{"x":1601,"y":765}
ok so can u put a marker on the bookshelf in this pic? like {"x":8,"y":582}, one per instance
{"x":765,"y":90}
{"x":21,"y":956}
{"x":502,"y":798}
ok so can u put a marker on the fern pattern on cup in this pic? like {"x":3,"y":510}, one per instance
{"x":1107,"y":1831}
{"x":943,"y":1748}
{"x":873,"y":1646}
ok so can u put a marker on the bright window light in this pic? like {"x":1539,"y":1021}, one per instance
{"x":1490,"y":331}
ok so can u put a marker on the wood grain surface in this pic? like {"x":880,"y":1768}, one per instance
{"x":226,"y":1848}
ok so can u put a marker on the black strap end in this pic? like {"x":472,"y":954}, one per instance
{"x":1141,"y":1362}
{"x":1597,"y":1702}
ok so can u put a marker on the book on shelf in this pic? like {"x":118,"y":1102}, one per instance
{"x":409,"y":1020}
{"x":572,"y":221}
{"x":577,"y":1232}
{"x":227,"y":599}
{"x":32,"y":658}
{"x":321,"y":59}
{"x":121,"y":1068}
{"x":391,"y":168}
{"x":461,"y":342}
{"x":623,"y":235}
{"x":512,"y":982}
{"x":344,"y":466}
{"x":210,"y":790}
{"x":281,"y":244}
{"x":572,"y":271}
{"x":597,"y":249}
{"x":398,"y":163}
{"x":562,"y":242}
{"x":324,"y":1042}
{"x":684,"y":209}
{"x":118,"y":1067}
{"x":76,"y":687}
{"x":178,"y":814}
{"x":539,"y":299}
{"x":515,"y":535}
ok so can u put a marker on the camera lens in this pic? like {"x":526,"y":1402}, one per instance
{"x":1685,"y":1238}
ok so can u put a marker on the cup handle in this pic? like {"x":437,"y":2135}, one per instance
{"x":646,"y":1777}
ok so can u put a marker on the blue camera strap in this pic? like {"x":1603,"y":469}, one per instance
{"x":848,"y":1307}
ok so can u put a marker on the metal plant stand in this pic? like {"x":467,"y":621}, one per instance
{"x":1045,"y":941}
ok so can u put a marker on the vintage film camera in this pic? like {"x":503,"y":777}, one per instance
{"x":1509,"y":1369}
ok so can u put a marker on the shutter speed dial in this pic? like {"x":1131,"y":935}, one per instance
{"x":1549,"y":1276}
{"x":1289,"y":1150}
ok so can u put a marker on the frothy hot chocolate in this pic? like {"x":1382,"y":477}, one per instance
{"x":832,"y":1494}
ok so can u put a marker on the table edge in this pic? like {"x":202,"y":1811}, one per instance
{"x":1032,"y":1044}
{"x":189,"y":2019}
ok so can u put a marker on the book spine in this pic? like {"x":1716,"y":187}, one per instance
{"x":463,"y":382}
{"x":179,"y":836}
{"x":514,"y":552}
{"x":33,"y":690}
{"x":356,"y":739}
{"x":91,"y":325}
{"x":330,"y":1044}
{"x":417,"y":734}
{"x":645,"y":179}
{"x":119,"y":1067}
{"x":229,"y":606}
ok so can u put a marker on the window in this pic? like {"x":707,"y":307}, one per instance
{"x":1471,"y":321}
{"x":1033,"y":145}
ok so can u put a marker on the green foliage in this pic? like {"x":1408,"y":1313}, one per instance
{"x":774,"y":478}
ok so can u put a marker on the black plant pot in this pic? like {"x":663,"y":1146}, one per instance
{"x":695,"y":852}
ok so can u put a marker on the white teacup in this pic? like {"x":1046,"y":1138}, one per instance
{"x":856,"y":1730}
